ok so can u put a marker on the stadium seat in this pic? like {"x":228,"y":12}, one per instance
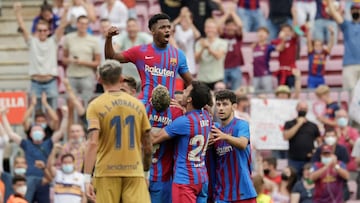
{"x":334,"y":66}
{"x":303,"y":52}
{"x":249,"y":38}
{"x":334,"y":80}
{"x":302,"y":65}
{"x":337,"y":51}
{"x":247,"y":55}
{"x":353,"y":189}
{"x":154,"y":9}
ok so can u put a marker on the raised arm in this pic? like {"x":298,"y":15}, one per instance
{"x":8,"y":130}
{"x":20,"y":21}
{"x":50,"y":166}
{"x":54,"y":119}
{"x":90,"y":11}
{"x":79,"y":107}
{"x":331,"y":40}
{"x":59,"y":32}
{"x":309,"y":41}
{"x":109,"y":50}
{"x":3,"y":134}
{"x":334,"y":13}
{"x":63,"y":126}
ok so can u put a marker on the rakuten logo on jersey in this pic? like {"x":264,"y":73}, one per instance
{"x":159,"y":71}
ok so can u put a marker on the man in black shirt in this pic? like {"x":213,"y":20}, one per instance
{"x":301,"y":134}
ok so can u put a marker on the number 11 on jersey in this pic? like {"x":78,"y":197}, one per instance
{"x":118,"y":123}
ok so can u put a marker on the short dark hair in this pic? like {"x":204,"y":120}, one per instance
{"x":224,"y":95}
{"x":102,"y":20}
{"x":67,"y":155}
{"x":131,"y":19}
{"x":271,"y":161}
{"x":81,"y":17}
{"x":155,"y":18}
{"x":200,"y":94}
{"x":18,"y":179}
{"x":263,"y":29}
{"x":130,"y":81}
{"x":286,"y":26}
{"x":110,"y":72}
{"x":179,"y":92}
{"x":39,"y":113}
{"x":46,"y":7}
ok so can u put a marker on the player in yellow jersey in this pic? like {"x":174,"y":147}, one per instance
{"x":118,"y":136}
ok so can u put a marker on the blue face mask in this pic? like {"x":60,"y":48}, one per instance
{"x":37,"y":135}
{"x":342,"y":122}
{"x":43,"y":125}
{"x":68,"y":168}
{"x":20,"y":171}
{"x":326,"y":160}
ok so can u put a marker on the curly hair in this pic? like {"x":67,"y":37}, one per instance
{"x":160,"y":98}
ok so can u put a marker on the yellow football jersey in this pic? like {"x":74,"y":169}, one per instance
{"x":121,"y":120}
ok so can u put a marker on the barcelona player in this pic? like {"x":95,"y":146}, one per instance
{"x":160,"y":115}
{"x":119,"y":135}
{"x":233,"y":157}
{"x":158,"y":62}
{"x":190,"y":181}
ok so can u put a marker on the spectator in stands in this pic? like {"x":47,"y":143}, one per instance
{"x":284,"y":92}
{"x":318,"y":55}
{"x":305,"y":11}
{"x":131,"y":38}
{"x":36,"y":148}
{"x":303,"y":190}
{"x":210,"y":54}
{"x":251,"y":15}
{"x":80,"y":8}
{"x":230,"y":28}
{"x":4,"y":140}
{"x":75,"y":145}
{"x":280,"y":13}
{"x":301,"y":134}
{"x":69,"y":184}
{"x":202,"y":10}
{"x":82,"y":57}
{"x":171,"y":8}
{"x":262,"y":79}
{"x":20,"y":188}
{"x":185,"y":36}
{"x":287,"y":56}
{"x":58,"y":8}
{"x":2,"y":191}
{"x":323,"y":20}
{"x":129,"y":85}
{"x":351,"y":59}
{"x":131,"y":4}
{"x":104,"y":26}
{"x":242,"y":110}
{"x":269,"y":168}
{"x":347,"y":137}
{"x":116,"y":12}
{"x":49,"y":121}
{"x":46,"y":15}
{"x":329,"y":175}
{"x":328,"y":119}
{"x":356,"y":154}
{"x":43,"y":56}
{"x":288,"y":180}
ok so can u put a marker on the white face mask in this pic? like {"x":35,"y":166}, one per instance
{"x":21,"y":190}
{"x":330,"y":140}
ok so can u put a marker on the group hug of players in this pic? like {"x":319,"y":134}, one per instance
{"x":184,"y":155}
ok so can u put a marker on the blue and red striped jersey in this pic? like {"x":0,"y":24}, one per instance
{"x":233,"y":165}
{"x":162,"y":159}
{"x":249,"y":4}
{"x":192,"y":133}
{"x":317,"y":63}
{"x":156,"y":66}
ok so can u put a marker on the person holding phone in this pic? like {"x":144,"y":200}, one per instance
{"x":301,"y":134}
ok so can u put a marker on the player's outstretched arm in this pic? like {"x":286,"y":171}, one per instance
{"x":160,"y":137}
{"x":147,"y":148}
{"x":238,"y":142}
{"x":109,"y":49}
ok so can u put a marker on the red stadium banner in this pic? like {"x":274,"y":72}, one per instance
{"x":16,"y":103}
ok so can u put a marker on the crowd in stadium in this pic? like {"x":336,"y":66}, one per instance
{"x":184,"y":76}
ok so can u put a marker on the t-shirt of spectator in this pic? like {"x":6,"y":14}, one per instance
{"x":171,"y":7}
{"x":351,"y":33}
{"x":118,"y":15}
{"x":262,"y":55}
{"x":16,"y":199}
{"x":340,"y":152}
{"x":280,"y":11}
{"x":75,"y":12}
{"x":83,"y":48}
{"x":287,"y":57}
{"x":276,"y":179}
{"x":185,"y":40}
{"x":329,"y":186}
{"x":68,"y":188}
{"x":317,"y":63}
{"x":4,"y":140}
{"x":301,"y":144}
{"x":35,"y":152}
{"x":353,"y":135}
{"x":2,"y":189}
{"x":54,"y":23}
{"x":43,"y":56}
{"x":201,"y":10}
{"x":306,"y":195}
{"x":249,"y":4}
{"x":321,"y":10}
{"x":234,"y":57}
{"x":211,"y":69}
{"x":331,"y":109}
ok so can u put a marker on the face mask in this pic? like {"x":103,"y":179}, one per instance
{"x":330,"y":140}
{"x":302,"y":113}
{"x":68,"y":168}
{"x":284,"y":177}
{"x":355,"y":15}
{"x":266,"y":171}
{"x":37,"y":135}
{"x":309,"y":181}
{"x":20,"y":171}
{"x":43,"y":125}
{"x":21,"y":190}
{"x":326,"y":160}
{"x":342,"y":122}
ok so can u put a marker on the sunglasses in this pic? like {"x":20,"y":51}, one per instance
{"x":40,"y":30}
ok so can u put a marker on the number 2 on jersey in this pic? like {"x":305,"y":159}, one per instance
{"x":118,"y":123}
{"x":195,"y":154}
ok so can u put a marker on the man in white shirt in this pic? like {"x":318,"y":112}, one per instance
{"x":116,"y":12}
